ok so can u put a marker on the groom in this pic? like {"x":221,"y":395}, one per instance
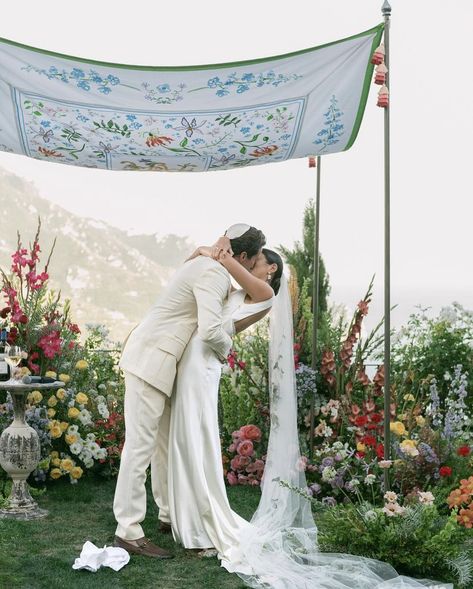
{"x":193,"y":300}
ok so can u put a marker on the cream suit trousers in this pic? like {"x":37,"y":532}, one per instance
{"x":147,"y":415}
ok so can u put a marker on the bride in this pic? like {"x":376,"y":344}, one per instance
{"x":278,"y":548}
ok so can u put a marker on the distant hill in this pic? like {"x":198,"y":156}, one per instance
{"x":110,"y":276}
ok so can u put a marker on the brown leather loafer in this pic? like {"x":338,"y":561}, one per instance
{"x":165,"y":527}
{"x":142,"y":546}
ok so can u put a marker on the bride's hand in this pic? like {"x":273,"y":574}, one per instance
{"x":222,"y":245}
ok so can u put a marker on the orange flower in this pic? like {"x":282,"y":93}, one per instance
{"x":457,"y":498}
{"x":261,"y":151}
{"x":49,"y":152}
{"x":465,"y":518}
{"x":466,"y":485}
{"x":155,"y":140}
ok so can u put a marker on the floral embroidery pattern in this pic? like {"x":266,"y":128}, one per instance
{"x":164,"y":93}
{"x":243,"y":83}
{"x":334,"y":129}
{"x":94,"y":136}
{"x":85,"y":80}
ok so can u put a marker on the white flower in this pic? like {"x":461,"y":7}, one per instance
{"x":328,"y":431}
{"x":390,"y":509}
{"x":103,"y":410}
{"x":391,"y":497}
{"x":102,"y":387}
{"x":76,"y":448}
{"x":370,"y":479}
{"x":338,"y":445}
{"x":88,"y":463}
{"x":329,"y":473}
{"x":385,"y":463}
{"x":85,"y":417}
{"x":370,"y":515}
{"x":101,"y":454}
{"x":426,"y":498}
{"x":354,"y":483}
{"x":90,"y":437}
{"x":73,"y":429}
{"x":99,"y":399}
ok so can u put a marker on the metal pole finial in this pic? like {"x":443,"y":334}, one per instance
{"x":386,"y":9}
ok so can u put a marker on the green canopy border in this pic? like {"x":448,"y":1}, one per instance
{"x":366,"y":88}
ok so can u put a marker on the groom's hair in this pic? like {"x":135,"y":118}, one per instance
{"x":250,"y":242}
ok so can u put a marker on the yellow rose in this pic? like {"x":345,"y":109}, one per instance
{"x":397,"y":427}
{"x":420,"y":420}
{"x":25,"y":371}
{"x":60,"y":394}
{"x":52,"y":401}
{"x":51,"y":374}
{"x":408,"y":444}
{"x":82,"y":398}
{"x":73,"y":412}
{"x":76,"y":472}
{"x":82,"y":365}
{"x":55,"y":431}
{"x":65,"y":378}
{"x":402,"y":417}
{"x":55,"y":473}
{"x":63,"y":425}
{"x":51,"y":413}
{"x":67,"y":464}
{"x":56,"y":462}
{"x":409,"y":397}
{"x":54,"y":454}
{"x":35,"y":397}
{"x":360,"y":447}
{"x":71,"y":439}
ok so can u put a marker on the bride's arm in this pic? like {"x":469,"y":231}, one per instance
{"x":258,"y":290}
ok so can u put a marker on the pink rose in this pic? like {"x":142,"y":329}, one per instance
{"x":242,"y":479}
{"x":245,"y":448}
{"x":240,"y":462}
{"x":232,"y":478}
{"x":250,"y":432}
{"x":232,"y":448}
{"x":257,"y":466}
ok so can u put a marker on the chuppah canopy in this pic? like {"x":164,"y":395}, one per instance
{"x":93,"y":114}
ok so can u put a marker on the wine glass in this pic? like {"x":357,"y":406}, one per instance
{"x":14,"y":355}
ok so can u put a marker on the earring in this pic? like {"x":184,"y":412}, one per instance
{"x":269,"y":277}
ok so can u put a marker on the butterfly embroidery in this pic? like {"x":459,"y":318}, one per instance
{"x":191,"y":127}
{"x":45,"y":135}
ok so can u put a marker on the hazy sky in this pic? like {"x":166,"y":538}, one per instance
{"x":432,"y":125}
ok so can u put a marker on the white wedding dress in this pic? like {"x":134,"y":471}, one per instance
{"x":278,"y":548}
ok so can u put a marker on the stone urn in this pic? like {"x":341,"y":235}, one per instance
{"x":20,"y":453}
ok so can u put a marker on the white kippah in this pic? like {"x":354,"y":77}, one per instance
{"x":237,"y":230}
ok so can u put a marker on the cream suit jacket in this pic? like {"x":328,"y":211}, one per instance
{"x":193,"y":300}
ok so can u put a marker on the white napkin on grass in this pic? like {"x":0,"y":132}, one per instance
{"x":92,"y":558}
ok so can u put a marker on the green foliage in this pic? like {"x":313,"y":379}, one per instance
{"x":244,"y":388}
{"x":430,"y":347}
{"x":421,"y":543}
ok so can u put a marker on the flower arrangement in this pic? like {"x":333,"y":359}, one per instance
{"x":241,"y":463}
{"x":35,"y":317}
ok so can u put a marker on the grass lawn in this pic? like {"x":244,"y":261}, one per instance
{"x":39,"y":554}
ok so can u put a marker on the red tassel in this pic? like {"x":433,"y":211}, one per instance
{"x":380,"y":74}
{"x":383,"y":97}
{"x":312,"y":162}
{"x":378,"y":55}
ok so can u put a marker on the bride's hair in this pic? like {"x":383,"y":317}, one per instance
{"x":274,"y":258}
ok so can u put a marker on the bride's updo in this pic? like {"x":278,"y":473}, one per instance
{"x":274,"y":258}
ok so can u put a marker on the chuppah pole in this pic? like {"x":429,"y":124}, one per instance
{"x":386,"y":10}
{"x":315,"y":304}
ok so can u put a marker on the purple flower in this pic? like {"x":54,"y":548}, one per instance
{"x":328,"y":461}
{"x":315,"y":488}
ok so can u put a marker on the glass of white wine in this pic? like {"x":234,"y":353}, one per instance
{"x":14,"y":355}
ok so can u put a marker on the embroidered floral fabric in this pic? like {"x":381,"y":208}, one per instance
{"x":97,"y":115}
